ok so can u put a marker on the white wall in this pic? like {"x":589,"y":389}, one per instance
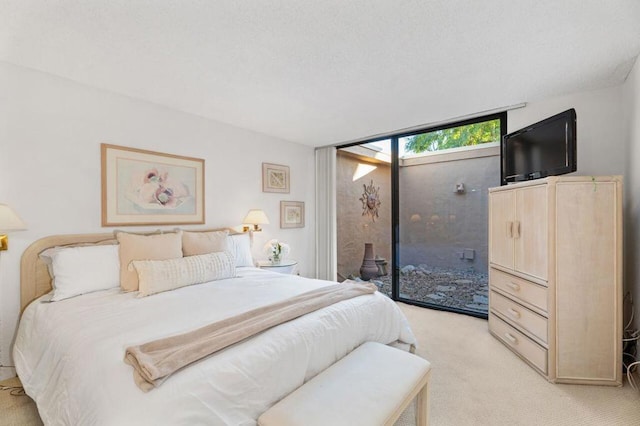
{"x":50,"y":135}
{"x":602,"y":143}
{"x":631,"y":105}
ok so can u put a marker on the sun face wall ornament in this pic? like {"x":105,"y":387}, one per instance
{"x":370,"y":201}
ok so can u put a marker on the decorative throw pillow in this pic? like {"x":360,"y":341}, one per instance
{"x":194,"y":243}
{"x":80,"y":270}
{"x":145,"y":247}
{"x":155,"y":276}
{"x":240,"y":246}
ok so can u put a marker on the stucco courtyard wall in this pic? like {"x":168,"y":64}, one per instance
{"x":354,"y":229}
{"x":439,"y":226}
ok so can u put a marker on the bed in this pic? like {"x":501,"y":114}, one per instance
{"x":69,"y":354}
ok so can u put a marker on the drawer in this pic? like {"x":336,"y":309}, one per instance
{"x":520,"y":316}
{"x":519,"y":343}
{"x":524,"y":290}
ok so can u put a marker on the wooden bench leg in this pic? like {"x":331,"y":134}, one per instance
{"x":422,"y":406}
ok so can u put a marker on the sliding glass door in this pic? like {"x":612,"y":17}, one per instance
{"x":364,"y":216}
{"x":412,"y":213}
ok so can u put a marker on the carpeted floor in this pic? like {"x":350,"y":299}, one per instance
{"x":475,"y":380}
{"x":16,"y":409}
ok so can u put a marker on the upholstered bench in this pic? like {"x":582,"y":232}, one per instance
{"x":371,"y":386}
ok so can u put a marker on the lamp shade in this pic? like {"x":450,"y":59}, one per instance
{"x":256,"y":217}
{"x":9,"y":220}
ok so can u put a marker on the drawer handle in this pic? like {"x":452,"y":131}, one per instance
{"x":513,"y":313}
{"x":514,"y":286}
{"x":510,"y":337}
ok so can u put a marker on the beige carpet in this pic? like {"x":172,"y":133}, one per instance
{"x":17,"y":410}
{"x":475,"y":380}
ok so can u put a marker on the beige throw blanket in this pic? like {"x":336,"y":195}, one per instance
{"x":155,"y":361}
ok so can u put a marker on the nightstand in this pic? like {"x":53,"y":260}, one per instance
{"x":286,"y":266}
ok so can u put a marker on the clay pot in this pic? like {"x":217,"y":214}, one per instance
{"x":382,"y":266}
{"x":369,"y":269}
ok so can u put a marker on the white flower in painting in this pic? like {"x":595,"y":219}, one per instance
{"x":155,"y":187}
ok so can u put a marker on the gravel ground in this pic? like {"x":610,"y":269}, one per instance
{"x":466,"y":290}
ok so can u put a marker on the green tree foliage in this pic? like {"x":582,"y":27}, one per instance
{"x":454,"y":137}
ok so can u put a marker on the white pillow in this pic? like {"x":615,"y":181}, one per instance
{"x":240,"y":246}
{"x":80,"y":270}
{"x":155,"y":276}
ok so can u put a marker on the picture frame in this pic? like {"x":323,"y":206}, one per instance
{"x":275,"y":178}
{"x":291,"y":214}
{"x":141,"y":187}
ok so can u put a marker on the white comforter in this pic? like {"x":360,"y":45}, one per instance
{"x":69,"y":354}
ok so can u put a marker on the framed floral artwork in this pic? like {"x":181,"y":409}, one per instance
{"x":275,"y":178}
{"x":142,"y":187}
{"x":291,"y":214}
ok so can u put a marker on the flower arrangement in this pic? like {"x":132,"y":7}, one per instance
{"x":276,"y":250}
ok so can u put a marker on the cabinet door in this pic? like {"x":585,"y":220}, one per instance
{"x":501,"y":220}
{"x":531,"y":231}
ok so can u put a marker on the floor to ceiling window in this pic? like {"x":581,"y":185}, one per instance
{"x":416,"y":206}
{"x":363,"y":210}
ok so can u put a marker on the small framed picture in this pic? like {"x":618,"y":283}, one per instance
{"x":275,"y":178}
{"x":291,"y":214}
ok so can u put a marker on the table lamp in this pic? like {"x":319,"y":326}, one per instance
{"x":9,"y":221}
{"x":255,"y":217}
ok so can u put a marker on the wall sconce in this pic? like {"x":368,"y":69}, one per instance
{"x":9,"y":221}
{"x":255,"y":217}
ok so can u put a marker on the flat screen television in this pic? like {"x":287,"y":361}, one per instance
{"x":546,"y":148}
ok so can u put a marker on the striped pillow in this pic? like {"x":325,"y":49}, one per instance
{"x":156,"y":276}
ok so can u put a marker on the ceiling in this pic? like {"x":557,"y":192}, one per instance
{"x":330,"y":71}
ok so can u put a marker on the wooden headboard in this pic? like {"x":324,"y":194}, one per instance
{"x":34,"y":274}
